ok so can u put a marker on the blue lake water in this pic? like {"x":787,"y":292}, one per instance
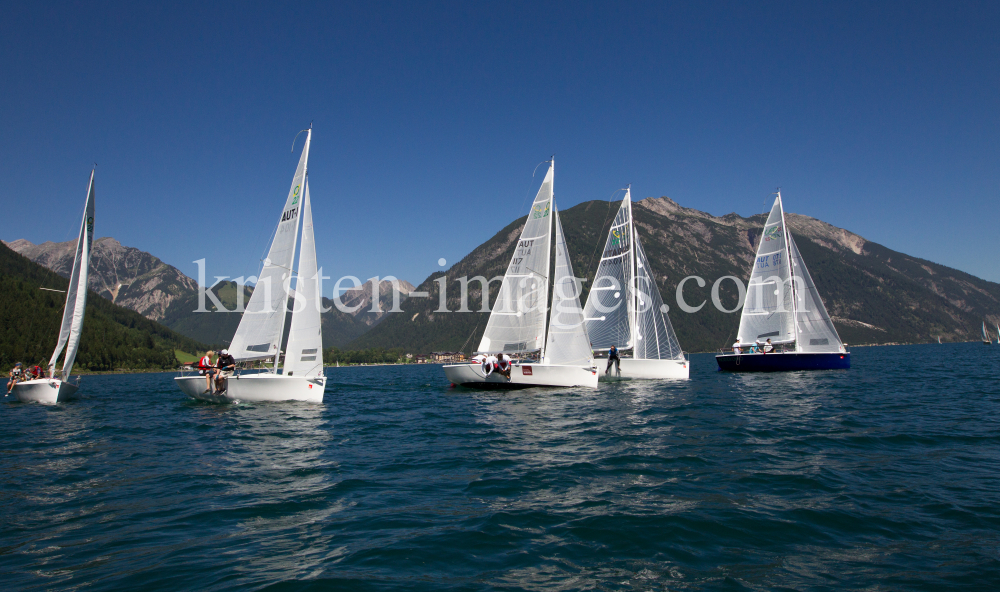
{"x":885,"y":476}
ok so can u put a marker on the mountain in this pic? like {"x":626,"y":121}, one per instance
{"x":874,"y":294}
{"x":138,"y":281}
{"x":127,"y":276}
{"x":113,"y":337}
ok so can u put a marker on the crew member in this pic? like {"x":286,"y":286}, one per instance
{"x":504,"y":365}
{"x":614,"y":359}
{"x":226,"y":365}
{"x":768,"y":348}
{"x":205,"y":369}
{"x":37,"y":372}
{"x":489,"y":365}
{"x":16,"y":375}
{"x":736,"y":347}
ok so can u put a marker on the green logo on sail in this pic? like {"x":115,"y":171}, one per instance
{"x":295,"y":195}
{"x":540,"y":212}
{"x":616,"y":238}
{"x":773,"y":234}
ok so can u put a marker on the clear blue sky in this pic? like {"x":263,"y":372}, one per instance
{"x":882,"y":118}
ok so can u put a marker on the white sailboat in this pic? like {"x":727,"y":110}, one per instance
{"x":259,"y":334}
{"x":624,"y":308}
{"x":998,"y":334}
{"x":520,"y":315}
{"x":783,"y":305}
{"x":56,"y":387}
{"x":986,"y":336}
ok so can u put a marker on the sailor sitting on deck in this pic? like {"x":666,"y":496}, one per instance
{"x":225,"y":364}
{"x":736,"y":347}
{"x":16,"y":375}
{"x":206,"y":369}
{"x":768,"y":348}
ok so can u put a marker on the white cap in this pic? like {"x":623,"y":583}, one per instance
{"x":224,"y":352}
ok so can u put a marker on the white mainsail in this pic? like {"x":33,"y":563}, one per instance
{"x":609,"y":316}
{"x":986,"y":337}
{"x":624,"y":307}
{"x":517,"y":321}
{"x":816,"y":332}
{"x":304,"y":351}
{"x":567,"y":343}
{"x":76,"y":293}
{"x":768,"y":312}
{"x":258,"y":336}
{"x":654,"y":335}
{"x":998,"y":334}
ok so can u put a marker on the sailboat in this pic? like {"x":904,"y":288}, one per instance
{"x":56,"y":387}
{"x":783,"y":305}
{"x":986,"y":336}
{"x":520,"y":316}
{"x":639,"y":321}
{"x":998,"y":334}
{"x":259,"y":334}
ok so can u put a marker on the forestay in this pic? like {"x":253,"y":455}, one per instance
{"x":768,"y":310}
{"x":655,"y":338}
{"x":304,"y":351}
{"x":76,"y":292}
{"x":567,"y":343}
{"x":259,"y":334}
{"x":816,"y":333}
{"x":607,"y":312}
{"x":517,"y":321}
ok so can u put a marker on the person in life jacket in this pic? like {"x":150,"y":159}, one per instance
{"x":504,"y":365}
{"x":37,"y":372}
{"x":206,"y":369}
{"x":225,"y":364}
{"x":16,"y":375}
{"x":614,"y":359}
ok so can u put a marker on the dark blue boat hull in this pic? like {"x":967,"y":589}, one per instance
{"x":783,"y":362}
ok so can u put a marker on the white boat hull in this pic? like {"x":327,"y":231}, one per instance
{"x":47,"y":391}
{"x":257,"y":388}
{"x":522,"y":376}
{"x":646,"y":369}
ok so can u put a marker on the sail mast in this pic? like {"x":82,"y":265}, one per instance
{"x":633,"y":285}
{"x":549,"y":238}
{"x":791,"y":272}
{"x":295,"y":242}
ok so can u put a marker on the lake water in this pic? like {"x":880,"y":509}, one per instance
{"x":885,"y":476}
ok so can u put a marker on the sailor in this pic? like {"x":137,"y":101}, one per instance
{"x":205,"y":369}
{"x":503,"y":365}
{"x":736,"y":347}
{"x":225,"y":364}
{"x":489,"y":365}
{"x":614,"y":359}
{"x":768,"y":348}
{"x":37,"y":372}
{"x":16,"y":375}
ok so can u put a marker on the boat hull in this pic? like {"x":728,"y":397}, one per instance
{"x":257,"y":388}
{"x":522,"y":376}
{"x":47,"y":391}
{"x":783,"y":362}
{"x":632,"y":368}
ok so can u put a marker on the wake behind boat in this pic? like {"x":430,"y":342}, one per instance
{"x":518,"y":320}
{"x":624,"y":309}
{"x":783,"y":311}
{"x":56,"y":387}
{"x":258,"y":337}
